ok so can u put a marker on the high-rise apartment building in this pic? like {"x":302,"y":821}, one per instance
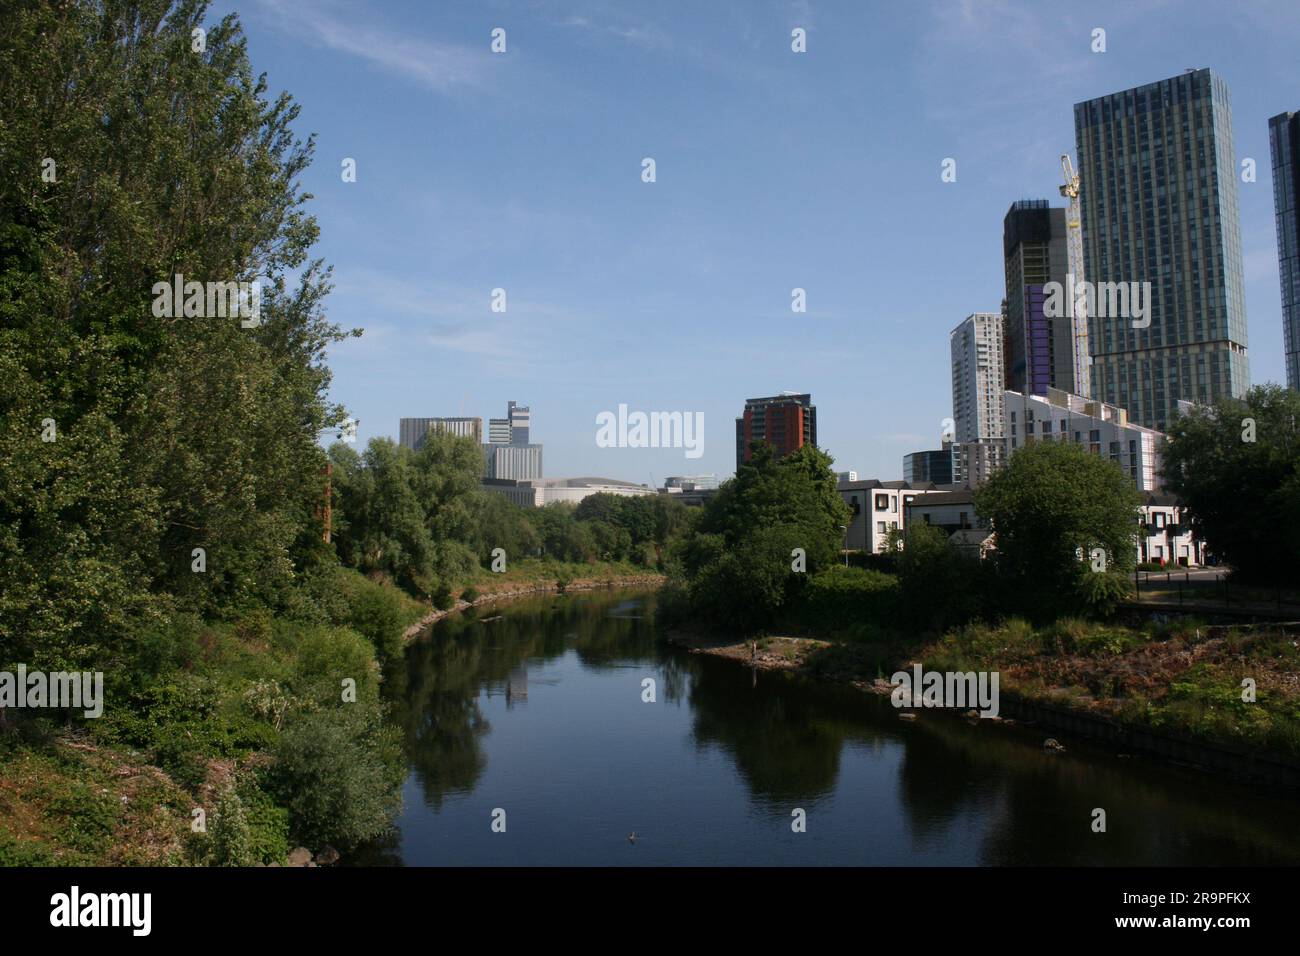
{"x":786,"y":422}
{"x":1158,"y":187}
{"x":411,"y":431}
{"x":1039,"y":349}
{"x":1284,"y":145}
{"x":977,"y":377}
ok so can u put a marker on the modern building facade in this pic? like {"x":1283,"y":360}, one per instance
{"x":1038,"y":349}
{"x":974,"y":462}
{"x":1284,"y":145}
{"x":499,"y":431}
{"x":933,"y":467}
{"x":977,"y":377}
{"x":412,"y":431}
{"x":675,"y":484}
{"x":1101,"y":428}
{"x":787,"y":422}
{"x":520,"y":419}
{"x":1158,"y":188}
{"x":512,"y":462}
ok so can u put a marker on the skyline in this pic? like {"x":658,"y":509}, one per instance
{"x":775,"y":171}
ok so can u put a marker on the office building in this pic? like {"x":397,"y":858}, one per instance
{"x":787,"y":422}
{"x":1284,"y":145}
{"x":499,"y":431}
{"x":929,"y":466}
{"x":1039,"y":349}
{"x":512,"y":462}
{"x":411,"y":431}
{"x":1158,"y":188}
{"x":675,"y":484}
{"x":977,"y":377}
{"x":520,"y":418}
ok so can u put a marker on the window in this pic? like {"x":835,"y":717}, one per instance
{"x":893,"y":503}
{"x":1160,"y":519}
{"x":882,"y":502}
{"x":880,"y":527}
{"x":961,"y":519}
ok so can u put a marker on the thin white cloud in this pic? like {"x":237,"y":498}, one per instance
{"x":444,"y":67}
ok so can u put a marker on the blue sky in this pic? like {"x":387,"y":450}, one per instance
{"x":775,"y":170}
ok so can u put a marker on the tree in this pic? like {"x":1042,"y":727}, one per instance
{"x":165,"y":434}
{"x":1051,"y":508}
{"x":771,"y":527}
{"x":1236,"y":468}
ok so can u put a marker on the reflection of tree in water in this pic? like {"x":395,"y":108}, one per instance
{"x":785,"y":734}
{"x":488,"y":651}
{"x":1038,"y":806}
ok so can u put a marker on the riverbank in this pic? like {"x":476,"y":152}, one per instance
{"x":510,"y":590}
{"x":1178,"y":692}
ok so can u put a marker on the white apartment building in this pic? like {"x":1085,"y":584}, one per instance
{"x":877,"y":507}
{"x":978,"y":381}
{"x":1101,"y":428}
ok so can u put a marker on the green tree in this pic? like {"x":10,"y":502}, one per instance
{"x":1236,"y":467}
{"x":1051,"y":507}
{"x":169,"y":433}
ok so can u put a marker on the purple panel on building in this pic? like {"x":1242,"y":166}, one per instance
{"x":1038,"y":358}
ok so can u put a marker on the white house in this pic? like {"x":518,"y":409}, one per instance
{"x":878,"y":507}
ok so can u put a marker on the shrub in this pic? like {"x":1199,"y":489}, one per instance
{"x":338,"y":771}
{"x":470,"y":594}
{"x":840,"y":598}
{"x":442,"y":598}
{"x":230,"y":841}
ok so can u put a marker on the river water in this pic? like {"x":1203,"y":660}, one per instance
{"x":532,"y":716}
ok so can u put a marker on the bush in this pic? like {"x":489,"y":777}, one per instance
{"x":470,"y":594}
{"x":442,"y":598}
{"x":840,"y":598}
{"x":230,"y":841}
{"x":338,"y":771}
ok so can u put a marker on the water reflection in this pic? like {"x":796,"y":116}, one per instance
{"x":538,"y":706}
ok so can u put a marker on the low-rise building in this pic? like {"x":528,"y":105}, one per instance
{"x":950,"y":511}
{"x":537,"y":493}
{"x":877,"y":508}
{"x":1165,"y":534}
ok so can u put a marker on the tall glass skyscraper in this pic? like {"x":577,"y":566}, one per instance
{"x":1158,"y":185}
{"x":1038,"y":349}
{"x":1284,"y":144}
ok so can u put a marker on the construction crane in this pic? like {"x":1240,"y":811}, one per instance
{"x":1074,"y":245}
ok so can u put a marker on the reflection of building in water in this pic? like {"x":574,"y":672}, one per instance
{"x":517,"y":685}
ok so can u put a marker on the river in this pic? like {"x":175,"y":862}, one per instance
{"x":532,"y":716}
